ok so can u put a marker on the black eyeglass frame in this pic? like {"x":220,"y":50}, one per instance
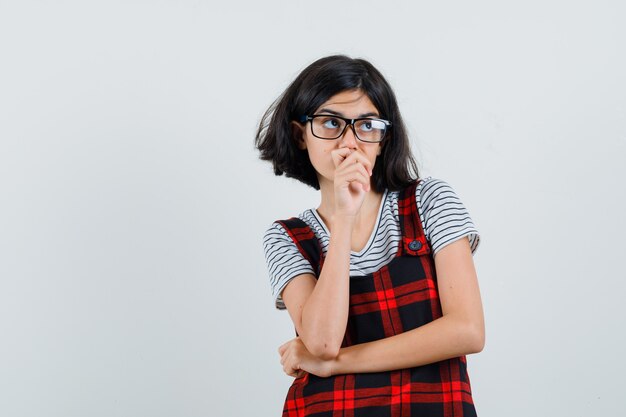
{"x":349,"y":122}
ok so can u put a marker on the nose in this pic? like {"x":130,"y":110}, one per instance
{"x":348,"y":139}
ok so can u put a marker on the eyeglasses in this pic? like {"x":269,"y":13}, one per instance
{"x":327,"y":126}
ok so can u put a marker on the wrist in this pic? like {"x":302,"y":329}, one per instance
{"x":342,"y":221}
{"x":333,"y":367}
{"x":336,"y":364}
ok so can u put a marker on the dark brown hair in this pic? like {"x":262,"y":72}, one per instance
{"x":395,"y":167}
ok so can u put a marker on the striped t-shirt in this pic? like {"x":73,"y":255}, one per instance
{"x":444,"y":218}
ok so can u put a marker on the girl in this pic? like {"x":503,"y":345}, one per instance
{"x":379,"y":279}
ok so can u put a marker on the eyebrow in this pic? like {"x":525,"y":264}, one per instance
{"x":336,"y":113}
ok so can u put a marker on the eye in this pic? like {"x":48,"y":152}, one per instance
{"x":330,"y":122}
{"x":370,"y":125}
{"x":366,"y":126}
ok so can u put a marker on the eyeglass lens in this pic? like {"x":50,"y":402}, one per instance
{"x":329,"y":127}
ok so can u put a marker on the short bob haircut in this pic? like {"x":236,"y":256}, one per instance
{"x":395,"y":167}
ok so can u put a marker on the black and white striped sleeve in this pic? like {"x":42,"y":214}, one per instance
{"x":443,"y":215}
{"x":284,"y":261}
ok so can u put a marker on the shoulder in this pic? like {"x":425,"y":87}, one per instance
{"x":430,"y":190}
{"x":279,"y":233}
{"x":275,"y":232}
{"x":444,"y":216}
{"x":283,"y":257}
{"x":283,"y":230}
{"x":425,"y":189}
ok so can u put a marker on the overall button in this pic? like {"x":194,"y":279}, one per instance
{"x":415,"y":245}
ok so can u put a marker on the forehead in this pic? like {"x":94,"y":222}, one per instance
{"x":350,"y":101}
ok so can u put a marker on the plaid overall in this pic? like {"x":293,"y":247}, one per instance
{"x":400,"y":296}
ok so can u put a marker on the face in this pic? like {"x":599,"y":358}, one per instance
{"x":350,"y":104}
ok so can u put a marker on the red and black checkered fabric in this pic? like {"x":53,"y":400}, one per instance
{"x":400,"y":296}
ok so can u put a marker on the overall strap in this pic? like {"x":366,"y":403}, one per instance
{"x":305,"y":240}
{"x":413,"y":237}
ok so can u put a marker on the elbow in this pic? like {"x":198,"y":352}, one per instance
{"x":469,"y":335}
{"x":475,"y":338}
{"x":476,"y":345}
{"x":324,"y":346}
{"x":325,"y":350}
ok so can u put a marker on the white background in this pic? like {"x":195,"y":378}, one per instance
{"x":133,"y":203}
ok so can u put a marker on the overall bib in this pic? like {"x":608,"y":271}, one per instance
{"x":400,"y":296}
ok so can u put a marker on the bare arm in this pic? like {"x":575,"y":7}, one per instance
{"x":459,"y":331}
{"x":319,"y":309}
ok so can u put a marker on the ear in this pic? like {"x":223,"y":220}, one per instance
{"x":297,"y":131}
{"x":380,"y":148}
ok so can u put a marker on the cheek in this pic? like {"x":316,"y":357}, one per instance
{"x":374,"y":154}
{"x":320,"y":156}
{"x":321,"y":160}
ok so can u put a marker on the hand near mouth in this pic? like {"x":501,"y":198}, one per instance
{"x":352,"y":180}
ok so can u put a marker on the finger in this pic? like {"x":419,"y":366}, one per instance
{"x":352,"y":178}
{"x":362,"y":160}
{"x":339,"y":155}
{"x":355,"y":168}
{"x":291,"y":369}
{"x":284,"y":356}
{"x":286,"y":364}
{"x":283,"y":347}
{"x":351,"y":164}
{"x":355,"y":176}
{"x":358,"y":158}
{"x":295,"y":371}
{"x":290,"y":361}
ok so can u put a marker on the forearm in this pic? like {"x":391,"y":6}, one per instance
{"x":325,"y":314}
{"x":444,"y":338}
